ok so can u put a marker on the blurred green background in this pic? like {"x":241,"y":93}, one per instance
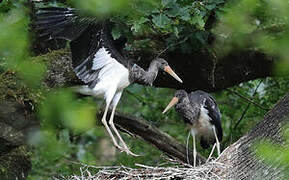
{"x":69,"y":131}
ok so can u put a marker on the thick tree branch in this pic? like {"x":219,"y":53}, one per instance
{"x":196,"y":69}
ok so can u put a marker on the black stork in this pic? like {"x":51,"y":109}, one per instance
{"x":96,"y":60}
{"x":200,"y":110}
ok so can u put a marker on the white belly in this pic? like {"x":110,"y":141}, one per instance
{"x":114,"y":78}
{"x":203,"y":125}
{"x":123,"y":81}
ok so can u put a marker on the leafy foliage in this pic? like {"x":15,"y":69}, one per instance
{"x":155,"y":24}
{"x":256,"y":24}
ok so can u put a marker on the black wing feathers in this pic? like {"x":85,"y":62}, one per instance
{"x":214,"y":114}
{"x":57,"y":22}
{"x":83,"y":50}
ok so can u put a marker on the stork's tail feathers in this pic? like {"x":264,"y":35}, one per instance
{"x":58,"y":22}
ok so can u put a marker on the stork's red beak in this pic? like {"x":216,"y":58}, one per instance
{"x":169,"y":70}
{"x":171,"y":104}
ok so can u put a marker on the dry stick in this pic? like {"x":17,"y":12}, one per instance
{"x":169,"y":46}
{"x":244,"y":112}
{"x":150,"y":172}
{"x":248,"y":100}
{"x":247,"y":108}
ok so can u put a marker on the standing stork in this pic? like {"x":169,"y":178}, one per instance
{"x":199,"y":109}
{"x":96,"y":60}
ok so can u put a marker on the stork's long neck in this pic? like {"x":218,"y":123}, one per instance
{"x":140,"y":76}
{"x":152,"y":72}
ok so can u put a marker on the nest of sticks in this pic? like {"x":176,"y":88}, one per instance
{"x":207,"y":171}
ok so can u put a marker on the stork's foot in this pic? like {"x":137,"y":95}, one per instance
{"x":121,"y":149}
{"x":125,"y":149}
{"x":131,"y":153}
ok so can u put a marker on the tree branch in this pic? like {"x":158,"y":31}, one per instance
{"x":194,"y":69}
{"x":248,"y":100}
{"x":247,"y":108}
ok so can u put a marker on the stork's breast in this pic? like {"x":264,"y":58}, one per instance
{"x":123,"y":79}
{"x":203,"y":126}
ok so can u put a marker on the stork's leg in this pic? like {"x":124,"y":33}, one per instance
{"x":213,"y":148}
{"x":187,"y":147}
{"x":195,"y":149}
{"x":103,"y":120}
{"x":217,"y":141}
{"x":114,"y":104}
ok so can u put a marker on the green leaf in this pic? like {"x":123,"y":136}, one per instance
{"x":62,"y":109}
{"x":168,"y":3}
{"x":137,"y":24}
{"x":161,"y":20}
{"x":202,"y":37}
{"x":185,"y":14}
{"x":31,"y":72}
{"x":198,"y":21}
{"x":176,"y":31}
{"x":103,"y":7}
{"x":146,"y":7}
{"x":211,"y":6}
{"x":116,"y":33}
{"x":174,"y":11}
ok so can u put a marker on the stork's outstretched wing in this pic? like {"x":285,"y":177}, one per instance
{"x":91,"y":44}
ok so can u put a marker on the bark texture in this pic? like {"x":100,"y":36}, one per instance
{"x":240,"y":156}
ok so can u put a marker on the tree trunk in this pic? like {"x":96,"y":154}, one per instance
{"x":240,"y":156}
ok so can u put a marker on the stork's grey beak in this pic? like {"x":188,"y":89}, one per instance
{"x":169,"y":70}
{"x":171,"y":104}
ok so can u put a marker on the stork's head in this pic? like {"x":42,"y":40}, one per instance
{"x":164,"y":65}
{"x":180,"y":97}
